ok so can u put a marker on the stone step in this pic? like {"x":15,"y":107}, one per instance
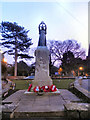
{"x":38,"y":114}
{"x":77,"y":110}
{"x":14,"y":98}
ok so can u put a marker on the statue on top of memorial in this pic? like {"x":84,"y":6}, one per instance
{"x":42,"y":34}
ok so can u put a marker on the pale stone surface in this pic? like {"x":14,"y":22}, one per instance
{"x":42,"y":67}
{"x":8,"y":108}
{"x":68,"y":96}
{"x":77,"y":110}
{"x":77,"y":106}
{"x":80,"y":90}
{"x":32,"y":105}
{"x":14,"y":98}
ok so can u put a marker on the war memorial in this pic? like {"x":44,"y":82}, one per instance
{"x":42,"y":77}
{"x":57,"y":104}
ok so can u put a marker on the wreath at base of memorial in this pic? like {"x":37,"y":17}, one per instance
{"x":41,"y":90}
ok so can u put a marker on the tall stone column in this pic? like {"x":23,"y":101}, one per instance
{"x":42,"y":77}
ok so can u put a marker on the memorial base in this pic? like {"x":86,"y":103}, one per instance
{"x":42,"y":77}
{"x":44,"y":93}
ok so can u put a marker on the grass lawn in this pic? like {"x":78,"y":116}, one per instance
{"x":61,"y":84}
{"x":22,"y":84}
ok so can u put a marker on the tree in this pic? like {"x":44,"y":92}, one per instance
{"x":86,"y":64}
{"x":10,"y":69}
{"x":15,"y":38}
{"x":58,"y":48}
{"x":68,"y":62}
{"x":23,"y":69}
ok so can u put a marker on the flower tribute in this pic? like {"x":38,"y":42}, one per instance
{"x":45,"y":88}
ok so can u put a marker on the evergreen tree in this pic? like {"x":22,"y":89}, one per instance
{"x":15,"y":38}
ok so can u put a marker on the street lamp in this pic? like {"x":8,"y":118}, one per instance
{"x":60,"y":70}
{"x":4,"y":60}
{"x":81,"y":68}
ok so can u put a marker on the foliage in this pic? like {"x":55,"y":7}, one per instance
{"x":73,"y":65}
{"x":68,"y":62}
{"x":3,"y":67}
{"x":10,"y":70}
{"x":15,"y":39}
{"x":86,"y":66}
{"x":53,"y":70}
{"x":13,"y":36}
{"x":58,"y":48}
{"x":23,"y":69}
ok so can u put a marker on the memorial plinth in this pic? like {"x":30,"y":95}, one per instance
{"x":42,"y":77}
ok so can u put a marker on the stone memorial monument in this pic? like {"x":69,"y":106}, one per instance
{"x":42,"y":77}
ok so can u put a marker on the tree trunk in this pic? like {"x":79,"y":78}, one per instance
{"x":15,"y":70}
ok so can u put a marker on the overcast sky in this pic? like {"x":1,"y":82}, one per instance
{"x":64,"y":20}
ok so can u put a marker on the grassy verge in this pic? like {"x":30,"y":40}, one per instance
{"x":61,"y":84}
{"x":22,"y":84}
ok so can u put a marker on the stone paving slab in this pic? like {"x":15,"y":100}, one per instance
{"x":41,"y":108}
{"x":78,"y":86}
{"x":68,"y":96}
{"x":33,"y":105}
{"x":14,"y":98}
{"x":78,"y":110}
{"x":77,"y":106}
{"x":8,"y":108}
{"x":56,"y":100}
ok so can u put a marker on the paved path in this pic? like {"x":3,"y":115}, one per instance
{"x":86,"y":84}
{"x":82,"y":86}
{"x":29,"y":105}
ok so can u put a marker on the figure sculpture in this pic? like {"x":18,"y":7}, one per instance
{"x":42,"y":34}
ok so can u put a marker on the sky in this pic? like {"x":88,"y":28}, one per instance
{"x":64,"y":20}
